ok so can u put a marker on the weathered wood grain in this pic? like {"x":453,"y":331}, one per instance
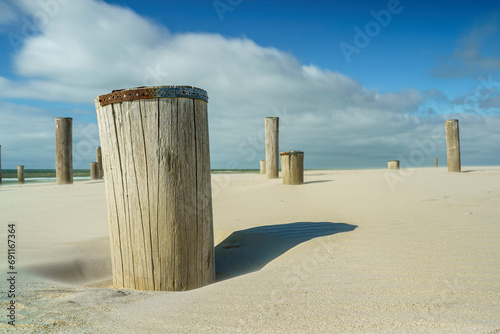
{"x":263,"y":166}
{"x":20,"y":174}
{"x":204,"y":197}
{"x":157,"y":166}
{"x":98,"y":157}
{"x":292,"y":167}
{"x":272,"y":147}
{"x":149,"y":123}
{"x":64,"y":150}
{"x":453,"y":146}
{"x":393,"y":164}
{"x":94,"y":171}
{"x":109,"y":142}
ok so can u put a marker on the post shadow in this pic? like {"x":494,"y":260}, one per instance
{"x":250,"y":250}
{"x":319,"y":181}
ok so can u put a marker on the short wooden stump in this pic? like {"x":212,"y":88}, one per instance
{"x":292,"y":167}
{"x":393,"y":164}
{"x":95,"y":171}
{"x":263,"y":166}
{"x":20,"y":174}
{"x":156,"y":157}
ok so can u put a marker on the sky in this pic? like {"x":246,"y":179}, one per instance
{"x":355,"y":83}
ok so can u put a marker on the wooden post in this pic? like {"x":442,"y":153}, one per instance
{"x":156,"y":159}
{"x":272,"y":147}
{"x":94,"y":171}
{"x":0,"y":164}
{"x":453,"y":145}
{"x":64,"y":150}
{"x":393,"y":164}
{"x":263,"y":166}
{"x":436,"y":162}
{"x":20,"y":174}
{"x":98,"y":155}
{"x":292,"y":167}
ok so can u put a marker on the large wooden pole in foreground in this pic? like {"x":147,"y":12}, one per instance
{"x":453,"y":145}
{"x":272,"y":147}
{"x":20,"y":174}
{"x":292,"y":167}
{"x":64,"y":150}
{"x":156,"y":159}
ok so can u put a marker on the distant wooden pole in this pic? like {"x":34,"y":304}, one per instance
{"x":64,"y":150}
{"x":263,"y":166}
{"x":272,"y":147}
{"x":157,"y":165}
{"x":436,"y":162}
{"x":393,"y":164}
{"x":453,"y":145}
{"x":98,"y":155}
{"x":292,"y":167}
{"x":94,"y":171}
{"x":0,"y":164}
{"x":20,"y":174}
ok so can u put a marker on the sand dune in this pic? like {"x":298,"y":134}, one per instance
{"x":347,"y":252}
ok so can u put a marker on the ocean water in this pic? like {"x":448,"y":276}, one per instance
{"x":9,"y":176}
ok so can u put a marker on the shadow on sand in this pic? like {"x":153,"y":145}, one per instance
{"x":319,"y":181}
{"x":249,"y":250}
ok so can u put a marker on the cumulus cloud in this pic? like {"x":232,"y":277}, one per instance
{"x":86,"y":48}
{"x":28,"y":138}
{"x":471,"y":55}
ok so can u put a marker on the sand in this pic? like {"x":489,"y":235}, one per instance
{"x":347,"y":252}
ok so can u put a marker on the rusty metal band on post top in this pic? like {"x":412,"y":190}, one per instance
{"x":140,"y":93}
{"x":291,"y":153}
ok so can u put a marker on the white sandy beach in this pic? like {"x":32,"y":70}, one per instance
{"x":343,"y":253}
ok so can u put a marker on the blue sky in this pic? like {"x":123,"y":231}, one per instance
{"x":416,"y":64}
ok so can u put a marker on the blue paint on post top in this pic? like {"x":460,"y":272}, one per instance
{"x":140,"y":93}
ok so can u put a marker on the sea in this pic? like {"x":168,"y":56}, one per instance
{"x":9,"y":176}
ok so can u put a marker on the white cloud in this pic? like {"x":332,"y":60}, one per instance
{"x":28,"y":138}
{"x":86,"y":48}
{"x":472,"y":55}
